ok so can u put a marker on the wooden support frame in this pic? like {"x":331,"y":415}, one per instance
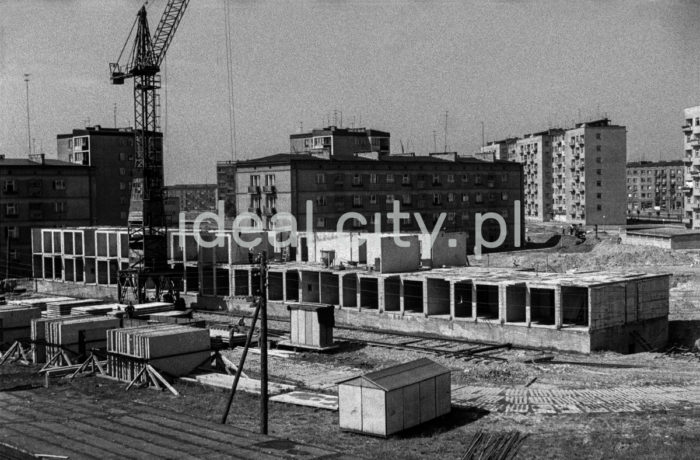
{"x":15,"y":353}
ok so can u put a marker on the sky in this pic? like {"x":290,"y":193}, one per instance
{"x":518,"y":66}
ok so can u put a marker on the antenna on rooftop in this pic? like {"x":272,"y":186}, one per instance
{"x":434,"y":141}
{"x":445,"y":131}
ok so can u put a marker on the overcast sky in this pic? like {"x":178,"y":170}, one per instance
{"x":518,"y":66}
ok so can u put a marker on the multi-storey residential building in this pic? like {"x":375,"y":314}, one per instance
{"x":38,"y":192}
{"x":498,"y":150}
{"x":428,"y":185}
{"x":188,"y":198}
{"x":110,"y":151}
{"x":226,"y":185}
{"x":340,"y":142}
{"x":655,"y":189}
{"x":574,"y":175}
{"x":691,"y":158}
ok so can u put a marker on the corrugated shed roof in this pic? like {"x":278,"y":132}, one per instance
{"x":403,"y":375}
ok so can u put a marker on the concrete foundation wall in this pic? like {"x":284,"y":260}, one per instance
{"x":79,"y":290}
{"x":622,"y":338}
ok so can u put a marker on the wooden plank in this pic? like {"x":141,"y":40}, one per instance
{"x":394,"y":411}
{"x":294,"y":326}
{"x":315,"y":328}
{"x":411,"y":405}
{"x":427,"y":400}
{"x":350,"y":407}
{"x":443,"y":395}
{"x":373,"y":411}
{"x":301,"y":325}
{"x":35,"y":440}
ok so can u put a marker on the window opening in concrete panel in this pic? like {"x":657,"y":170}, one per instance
{"x":487,"y":302}
{"x":329,"y":289}
{"x":349,"y":291}
{"x":438,"y":297}
{"x":463,"y":299}
{"x":275,"y":285}
{"x":392,"y":294}
{"x":222,"y":281}
{"x":369,"y":293}
{"x":413,"y":296}
{"x":515,"y":304}
{"x":240,"y":282}
{"x":292,"y":286}
{"x":574,"y":306}
{"x":542,"y":306}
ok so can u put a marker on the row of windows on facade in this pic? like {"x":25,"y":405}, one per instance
{"x":322,"y":222}
{"x":679,"y":180}
{"x":10,"y":185}
{"x":657,"y":189}
{"x":357,"y":179}
{"x":407,"y":199}
{"x":655,"y":172}
{"x":11,"y":209}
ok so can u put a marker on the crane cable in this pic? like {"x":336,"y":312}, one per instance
{"x":229,"y":69}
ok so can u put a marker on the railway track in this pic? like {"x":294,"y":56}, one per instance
{"x":440,"y":346}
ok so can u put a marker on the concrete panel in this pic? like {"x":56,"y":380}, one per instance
{"x":438,"y":298}
{"x":395,"y":259}
{"x":607,"y":305}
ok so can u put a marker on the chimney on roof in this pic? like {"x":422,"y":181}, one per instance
{"x":2,"y":156}
{"x":38,"y":158}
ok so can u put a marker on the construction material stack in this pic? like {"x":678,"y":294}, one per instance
{"x":15,"y":323}
{"x":171,"y":349}
{"x":64,"y":307}
{"x":73,"y":336}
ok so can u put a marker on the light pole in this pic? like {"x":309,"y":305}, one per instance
{"x":29,"y":132}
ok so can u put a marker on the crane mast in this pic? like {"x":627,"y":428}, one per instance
{"x":146,"y":219}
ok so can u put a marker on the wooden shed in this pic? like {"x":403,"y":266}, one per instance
{"x":311,"y":326}
{"x":390,"y":400}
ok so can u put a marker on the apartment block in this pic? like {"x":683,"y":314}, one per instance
{"x":691,"y":158}
{"x":337,"y":142}
{"x":655,"y":189}
{"x":573,"y":175}
{"x":38,"y":192}
{"x":498,"y":150}
{"x":188,"y":198}
{"x":110,"y":152}
{"x":226,"y":185}
{"x":425,"y":186}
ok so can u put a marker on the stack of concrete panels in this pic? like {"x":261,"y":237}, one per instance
{"x":98,"y":309}
{"x":15,"y":322}
{"x":63,"y":308}
{"x":78,"y":334}
{"x":145,"y":309}
{"x":171,"y":349}
{"x":39,"y":302}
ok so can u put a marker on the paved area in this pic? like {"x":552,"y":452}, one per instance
{"x":556,"y":401}
{"x":90,"y":429}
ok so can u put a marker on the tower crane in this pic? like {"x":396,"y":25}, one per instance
{"x":146,"y":219}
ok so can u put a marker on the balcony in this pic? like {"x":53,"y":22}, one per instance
{"x":270,"y":189}
{"x":255,"y":210}
{"x":686,"y":128}
{"x":254,"y":189}
{"x":269,"y":211}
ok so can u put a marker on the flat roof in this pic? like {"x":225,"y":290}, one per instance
{"x":25,"y":162}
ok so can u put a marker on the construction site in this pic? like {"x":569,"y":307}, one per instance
{"x":154,"y":340}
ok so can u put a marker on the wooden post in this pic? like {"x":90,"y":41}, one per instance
{"x":263,"y":343}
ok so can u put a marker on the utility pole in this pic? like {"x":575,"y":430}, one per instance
{"x":482,"y":134}
{"x":263,"y":343}
{"x":29,"y":132}
{"x":115,"y":115}
{"x":434,"y":141}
